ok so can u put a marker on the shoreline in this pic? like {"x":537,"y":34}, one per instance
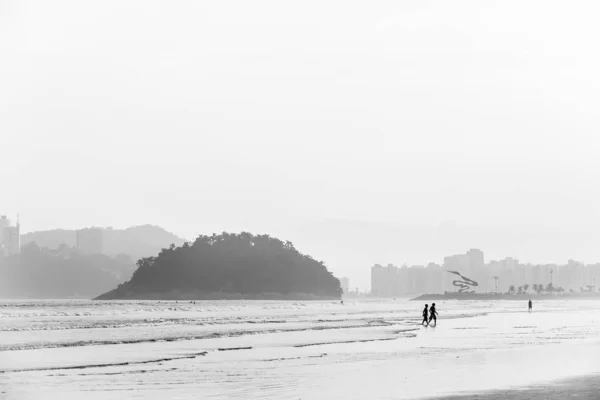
{"x":199,"y":296}
{"x":503,"y":296}
{"x":585,"y":387}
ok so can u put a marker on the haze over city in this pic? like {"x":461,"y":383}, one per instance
{"x":299,"y":200}
{"x":397,"y":132}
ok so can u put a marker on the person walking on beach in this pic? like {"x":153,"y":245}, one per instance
{"x":425,"y":315}
{"x":432,"y":314}
{"x":530,"y":306}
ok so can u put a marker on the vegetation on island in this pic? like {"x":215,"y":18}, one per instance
{"x":229,"y":266}
{"x":39,"y":272}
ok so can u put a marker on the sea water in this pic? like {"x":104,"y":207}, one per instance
{"x":288,"y":349}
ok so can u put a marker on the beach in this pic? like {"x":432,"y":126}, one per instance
{"x":297,"y":350}
{"x":585,"y":388}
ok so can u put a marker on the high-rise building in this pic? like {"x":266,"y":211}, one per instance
{"x":459,"y":262}
{"x":89,"y":240}
{"x":385,"y":280}
{"x":470,"y":264}
{"x":345,"y":284}
{"x":10,"y":238}
{"x":476,"y":261}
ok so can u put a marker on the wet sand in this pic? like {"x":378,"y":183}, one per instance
{"x":582,"y":388}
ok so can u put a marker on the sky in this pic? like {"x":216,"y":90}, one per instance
{"x":388,"y":131}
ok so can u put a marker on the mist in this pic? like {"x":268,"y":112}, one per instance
{"x":394,"y":132}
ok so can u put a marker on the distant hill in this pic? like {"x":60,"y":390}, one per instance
{"x":43,"y":273}
{"x":228,"y":266}
{"x":137,"y":241}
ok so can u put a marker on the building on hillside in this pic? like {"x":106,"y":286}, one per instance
{"x":89,"y":241}
{"x":345,"y":285}
{"x":10,"y":237}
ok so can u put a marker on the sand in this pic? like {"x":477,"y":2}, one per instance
{"x":582,"y":388}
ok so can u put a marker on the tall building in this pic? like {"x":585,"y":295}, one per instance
{"x":10,"y":237}
{"x":345,"y":284}
{"x":89,"y":240}
{"x":459,"y":262}
{"x":385,"y":281}
{"x":476,"y":261}
{"x":470,"y":265}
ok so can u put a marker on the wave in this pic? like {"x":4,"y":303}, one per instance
{"x":57,"y":325}
{"x":204,"y":353}
{"x":345,"y":342}
{"x":119,"y":364}
{"x":214,"y":335}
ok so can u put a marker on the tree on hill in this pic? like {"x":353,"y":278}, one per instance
{"x":234,"y":263}
{"x":62,"y":273}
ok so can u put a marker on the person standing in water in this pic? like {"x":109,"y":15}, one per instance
{"x":432,"y":314}
{"x":530,"y":306}
{"x":425,"y":315}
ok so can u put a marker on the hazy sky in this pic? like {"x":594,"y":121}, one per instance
{"x":270,"y":115}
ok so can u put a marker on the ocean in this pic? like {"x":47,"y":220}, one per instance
{"x":367,"y":349}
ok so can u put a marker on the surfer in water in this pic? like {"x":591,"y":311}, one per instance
{"x":432,"y":314}
{"x":425,"y":315}
{"x":530,"y":306}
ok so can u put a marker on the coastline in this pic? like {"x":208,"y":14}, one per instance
{"x":585,"y":388}
{"x":504,"y":296}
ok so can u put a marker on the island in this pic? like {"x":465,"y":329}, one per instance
{"x":229,"y":266}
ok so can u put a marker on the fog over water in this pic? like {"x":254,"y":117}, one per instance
{"x":388,"y":132}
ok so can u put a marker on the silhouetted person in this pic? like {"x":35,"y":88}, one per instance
{"x":342,"y":302}
{"x":432,"y":314}
{"x":425,"y":315}
{"x":530,"y":306}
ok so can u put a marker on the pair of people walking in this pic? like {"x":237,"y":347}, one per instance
{"x":429,"y":314}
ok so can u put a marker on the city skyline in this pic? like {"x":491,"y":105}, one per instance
{"x":488,"y":277}
{"x":356,"y":279}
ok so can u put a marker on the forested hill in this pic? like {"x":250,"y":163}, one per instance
{"x":137,"y":241}
{"x":229,"y":266}
{"x":64,"y":273}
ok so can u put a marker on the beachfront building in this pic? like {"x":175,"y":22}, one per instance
{"x":10,"y":237}
{"x":345,"y":285}
{"x":392,"y":281}
{"x":384,"y":280}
